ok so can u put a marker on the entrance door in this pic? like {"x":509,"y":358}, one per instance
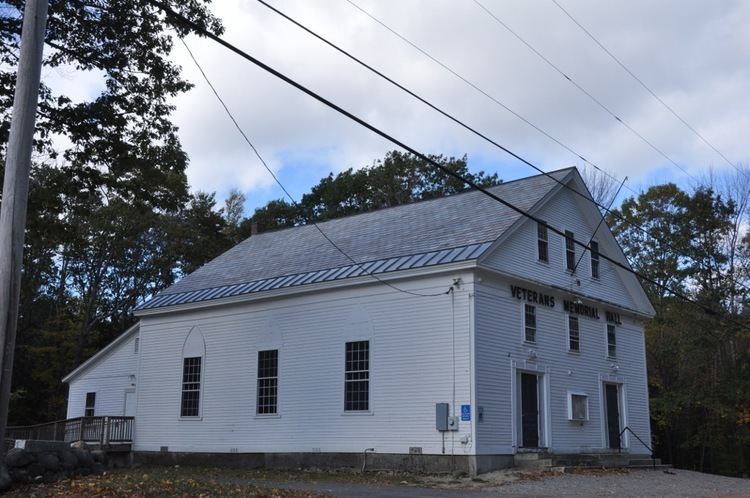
{"x":130,"y":403}
{"x":529,"y":410}
{"x":612,"y":402}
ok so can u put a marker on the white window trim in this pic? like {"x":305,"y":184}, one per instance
{"x":278,"y":383}
{"x":355,"y":413}
{"x":523,"y":324}
{"x":200,"y":390}
{"x":606,"y":341}
{"x":567,"y":335}
{"x":565,"y":250}
{"x":86,"y":406}
{"x":572,"y":393}
{"x":536,"y":238}
{"x":599,"y":260}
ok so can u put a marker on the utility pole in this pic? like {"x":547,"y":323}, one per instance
{"x":16,"y":190}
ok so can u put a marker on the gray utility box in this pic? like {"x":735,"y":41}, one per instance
{"x":441,"y":416}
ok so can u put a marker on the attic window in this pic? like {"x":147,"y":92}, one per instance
{"x":542,"y":245}
{"x":136,"y":345}
{"x":594,"y":259}
{"x":570,"y":250}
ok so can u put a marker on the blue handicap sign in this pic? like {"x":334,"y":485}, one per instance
{"x":465,"y":413}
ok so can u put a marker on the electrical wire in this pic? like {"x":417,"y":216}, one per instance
{"x":582,"y":89}
{"x":286,"y":192}
{"x":606,"y":209}
{"x":482,"y":91}
{"x":470,"y":183}
{"x":648,"y":89}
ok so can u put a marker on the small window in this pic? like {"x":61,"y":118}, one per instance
{"x":611,"y":341}
{"x":268,"y":382}
{"x":191,"y":387}
{"x":90,"y":405}
{"x":357,"y":376}
{"x":529,"y":323}
{"x":578,"y":407}
{"x":542,"y":243}
{"x":574,"y":337}
{"x":570,"y":250}
{"x":594,"y":259}
{"x":136,"y":345}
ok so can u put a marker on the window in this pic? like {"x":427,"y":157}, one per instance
{"x":594,"y":259}
{"x":357,"y":376}
{"x":570,"y":250}
{"x":136,"y":344}
{"x":529,"y":323}
{"x":574,"y":337}
{"x":268,"y":382}
{"x":611,"y":341}
{"x":578,"y":406}
{"x":90,"y":404}
{"x":541,"y":243}
{"x":191,"y":387}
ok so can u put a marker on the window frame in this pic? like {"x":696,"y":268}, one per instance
{"x":542,"y":240}
{"x":570,"y":251}
{"x":92,"y":407}
{"x":366,"y":378}
{"x":275,"y":388}
{"x":572,"y":318}
{"x":580,"y":394}
{"x":526,"y":327}
{"x":136,"y":345}
{"x":199,"y":390}
{"x":595,"y":261}
{"x":611,"y":346}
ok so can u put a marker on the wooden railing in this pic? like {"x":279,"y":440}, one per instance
{"x":103,"y":430}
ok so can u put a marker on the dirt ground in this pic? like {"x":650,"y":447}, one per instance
{"x":212,"y":482}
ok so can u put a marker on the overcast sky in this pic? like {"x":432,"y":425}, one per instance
{"x":693,"y":54}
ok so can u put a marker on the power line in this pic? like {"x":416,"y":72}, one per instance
{"x":582,"y":89}
{"x":200,"y":30}
{"x":647,"y":88}
{"x":281,"y":185}
{"x":606,"y":209}
{"x":483,"y":92}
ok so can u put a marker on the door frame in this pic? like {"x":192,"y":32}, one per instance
{"x":125,"y":400}
{"x":621,"y":407}
{"x":543,"y":386}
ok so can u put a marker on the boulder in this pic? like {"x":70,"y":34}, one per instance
{"x":49,"y":461}
{"x":49,"y":477}
{"x":97,"y":468}
{"x":19,"y":475}
{"x":68,"y":460}
{"x":79,"y":444}
{"x":83,"y":457}
{"x":99,"y":456}
{"x":5,"y":480}
{"x":35,"y":470}
{"x":18,"y":457}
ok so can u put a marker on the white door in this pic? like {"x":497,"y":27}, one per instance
{"x":130,"y":403}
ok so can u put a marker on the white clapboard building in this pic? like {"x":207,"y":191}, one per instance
{"x":461,"y":337}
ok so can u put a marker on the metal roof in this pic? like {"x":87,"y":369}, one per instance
{"x":432,"y":258}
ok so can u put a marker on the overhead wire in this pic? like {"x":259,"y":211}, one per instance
{"x":470,"y":183}
{"x":648,"y":89}
{"x":284,"y":189}
{"x":583,"y":90}
{"x":605,"y":209}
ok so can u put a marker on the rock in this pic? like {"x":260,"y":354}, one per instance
{"x":83,"y":457}
{"x":19,"y":475}
{"x":49,"y":477}
{"x":5,"y":480}
{"x":97,"y":468}
{"x":49,"y":461}
{"x":99,"y":456}
{"x":35,"y":470}
{"x":68,"y":460}
{"x":18,"y":457}
{"x":79,"y":444}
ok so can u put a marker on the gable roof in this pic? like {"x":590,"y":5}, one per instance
{"x":449,"y":229}
{"x":102,"y":353}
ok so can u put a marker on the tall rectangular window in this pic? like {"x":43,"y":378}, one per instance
{"x":357,"y":376}
{"x":541,"y":242}
{"x":574,"y":337}
{"x":88,"y":411}
{"x":529,"y":323}
{"x":136,"y":345}
{"x":191,"y":387}
{"x":570,"y":250}
{"x":594,"y":259}
{"x":268,"y":382}
{"x":611,"y":341}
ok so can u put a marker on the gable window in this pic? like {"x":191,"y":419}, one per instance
{"x":574,"y":337}
{"x":88,"y":411}
{"x":542,"y":245}
{"x":594,"y":259}
{"x":529,"y":319}
{"x":611,"y":341}
{"x":570,"y":250}
{"x":191,"y":387}
{"x":136,"y":345}
{"x":268,"y":382}
{"x":578,"y":407}
{"x":357,"y":376}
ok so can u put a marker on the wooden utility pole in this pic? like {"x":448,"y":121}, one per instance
{"x":16,"y":190}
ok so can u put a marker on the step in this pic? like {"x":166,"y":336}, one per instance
{"x":542,"y":463}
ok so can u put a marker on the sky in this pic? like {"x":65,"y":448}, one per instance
{"x":692,"y":54}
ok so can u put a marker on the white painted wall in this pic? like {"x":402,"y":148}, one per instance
{"x":414,"y":343}
{"x":109,"y":378}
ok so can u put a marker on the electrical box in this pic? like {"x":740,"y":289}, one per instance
{"x":441,"y":416}
{"x":452,"y":423}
